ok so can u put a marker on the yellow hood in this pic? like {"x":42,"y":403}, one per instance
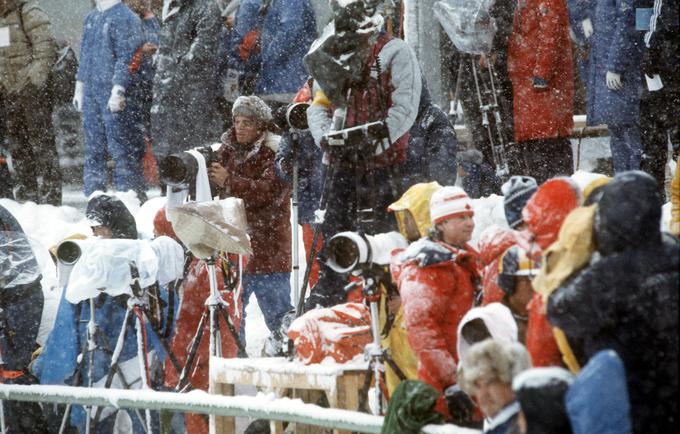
{"x":416,"y":200}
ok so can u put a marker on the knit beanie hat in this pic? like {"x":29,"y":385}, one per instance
{"x":448,"y":202}
{"x":252,"y":107}
{"x":517,"y":191}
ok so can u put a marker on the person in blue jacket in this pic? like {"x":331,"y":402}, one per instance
{"x":288,"y":30}
{"x":112,"y":33}
{"x":597,"y":401}
{"x":141,"y":94}
{"x":614,"y":79}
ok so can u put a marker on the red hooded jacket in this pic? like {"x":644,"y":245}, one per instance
{"x":544,"y":214}
{"x":437,"y":285}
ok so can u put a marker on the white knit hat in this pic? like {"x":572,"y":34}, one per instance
{"x":447,"y":202}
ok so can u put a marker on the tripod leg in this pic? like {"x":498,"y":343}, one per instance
{"x":215,"y":341}
{"x":327,"y":184}
{"x":363,"y":393}
{"x":192,"y":352}
{"x":163,"y":341}
{"x":143,"y":362}
{"x":114,"y":360}
{"x":234,"y":333}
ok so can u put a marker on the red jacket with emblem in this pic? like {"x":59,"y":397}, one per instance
{"x":540,"y":47}
{"x":437,"y":286}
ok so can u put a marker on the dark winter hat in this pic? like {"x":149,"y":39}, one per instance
{"x":109,"y":211}
{"x":517,"y":191}
{"x":541,"y":395}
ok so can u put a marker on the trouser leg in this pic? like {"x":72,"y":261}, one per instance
{"x":126,"y":147}
{"x":95,"y":174}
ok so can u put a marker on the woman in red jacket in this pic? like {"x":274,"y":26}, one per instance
{"x":437,"y":281}
{"x":541,"y":71}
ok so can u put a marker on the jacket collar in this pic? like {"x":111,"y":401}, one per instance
{"x":104,"y":5}
{"x":503,"y":416}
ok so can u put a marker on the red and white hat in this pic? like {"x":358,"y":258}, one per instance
{"x":448,"y":202}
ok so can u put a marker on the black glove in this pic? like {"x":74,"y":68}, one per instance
{"x":539,"y":83}
{"x":461,"y":407}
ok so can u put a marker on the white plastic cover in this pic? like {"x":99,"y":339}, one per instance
{"x":104,"y":266}
{"x":170,"y":259}
{"x":468,"y":24}
{"x":18,"y":265}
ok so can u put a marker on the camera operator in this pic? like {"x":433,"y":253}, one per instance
{"x":109,"y":218}
{"x":437,"y":278}
{"x":21,"y":304}
{"x":386,"y":86}
{"x":245,"y":168}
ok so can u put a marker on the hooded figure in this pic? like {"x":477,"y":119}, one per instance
{"x":111,"y":212}
{"x":540,"y":393}
{"x":496,"y":320}
{"x":21,"y":305}
{"x":544,"y":214}
{"x":627,"y":301}
{"x":597,"y":401}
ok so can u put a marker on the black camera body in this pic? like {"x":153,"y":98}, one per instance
{"x":180,"y":169}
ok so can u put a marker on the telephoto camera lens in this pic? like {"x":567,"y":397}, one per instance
{"x":68,"y":252}
{"x":296,"y":115}
{"x":181,"y":168}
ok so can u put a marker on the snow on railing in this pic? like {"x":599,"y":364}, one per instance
{"x":282,"y":409}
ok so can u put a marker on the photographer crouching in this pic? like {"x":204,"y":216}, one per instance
{"x":245,"y":168}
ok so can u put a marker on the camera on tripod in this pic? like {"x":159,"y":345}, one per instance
{"x":181,"y":169}
{"x":350,"y":251}
{"x":94,"y":266}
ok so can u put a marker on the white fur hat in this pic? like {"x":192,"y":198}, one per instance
{"x":252,"y":107}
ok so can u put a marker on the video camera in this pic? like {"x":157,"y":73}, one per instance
{"x":349,"y":251}
{"x":180,"y":169}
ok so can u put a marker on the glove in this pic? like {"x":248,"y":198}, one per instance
{"x":461,"y":407}
{"x":78,"y":96}
{"x":614,"y":81}
{"x":539,"y":83}
{"x":587,"y":26}
{"x":117,"y":99}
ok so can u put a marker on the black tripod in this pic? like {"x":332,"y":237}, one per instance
{"x":215,"y":306}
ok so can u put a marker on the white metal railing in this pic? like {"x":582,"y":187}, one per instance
{"x":200,"y":402}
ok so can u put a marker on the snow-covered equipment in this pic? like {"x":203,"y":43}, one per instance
{"x":209,"y":227}
{"x":103,"y":265}
{"x":188,"y":170}
{"x":340,"y":332}
{"x":337,"y":58}
{"x":206,"y":229}
{"x":468,"y":23}
{"x":348,"y":251}
{"x":471,"y":28}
